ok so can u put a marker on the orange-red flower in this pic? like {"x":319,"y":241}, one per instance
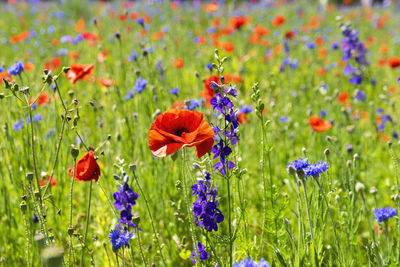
{"x":6,"y":76}
{"x":78,"y":72}
{"x":52,"y":183}
{"x":237,"y":22}
{"x":53,"y":64}
{"x":178,"y":63}
{"x":87,"y":168}
{"x":278,"y":21}
{"x":394,"y":62}
{"x":28,"y":66}
{"x":19,"y":37}
{"x":343,"y":97}
{"x":43,"y":99}
{"x":106,"y":82}
{"x":318,"y":124}
{"x":259,"y":30}
{"x":228,"y":47}
{"x":177,"y":128}
{"x":211,"y":7}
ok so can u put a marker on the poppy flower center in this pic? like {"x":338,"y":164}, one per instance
{"x":179,"y":131}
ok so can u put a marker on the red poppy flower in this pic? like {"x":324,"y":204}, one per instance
{"x":318,"y":124}
{"x":78,"y":72}
{"x":43,"y":99}
{"x":208,"y":93}
{"x":87,"y":168}
{"x":211,"y":7}
{"x":52,"y":183}
{"x":28,"y":66}
{"x":6,"y":76}
{"x":228,"y":47}
{"x":278,"y":21}
{"x":177,"y":128}
{"x":260,"y":30}
{"x":101,"y":57}
{"x":106,"y":82}
{"x":53,"y":64}
{"x":237,"y":22}
{"x":290,"y":35}
{"x":178,"y":63}
{"x":343,"y":97}
{"x":242,"y":118}
{"x":394,"y":62}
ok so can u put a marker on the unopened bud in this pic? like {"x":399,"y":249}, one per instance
{"x":359,"y":187}
{"x":373,"y":190}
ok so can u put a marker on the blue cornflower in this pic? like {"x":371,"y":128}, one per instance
{"x":16,"y":68}
{"x":335,"y":46}
{"x":360,"y":95}
{"x":35,"y":118}
{"x":49,"y":133}
{"x":194,"y":103}
{"x":349,"y":69}
{"x":133,"y":56}
{"x":66,"y":39}
{"x":209,"y":66}
{"x":140,"y":21}
{"x":1,"y":68}
{"x":174,"y":91}
{"x":248,"y":262}
{"x":129,"y":94}
{"x":18,"y":125}
{"x":140,"y":85}
{"x":246,"y":109}
{"x":310,"y":170}
{"x":384,"y":214}
{"x":322,"y":113}
{"x":119,"y":239}
{"x":203,"y":255}
{"x":284,"y":119}
{"x":310,"y":45}
{"x":79,"y":38}
{"x":62,"y":51}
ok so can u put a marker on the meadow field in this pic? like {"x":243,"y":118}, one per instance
{"x":181,"y":133}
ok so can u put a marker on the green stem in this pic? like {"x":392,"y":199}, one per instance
{"x":308,"y":210}
{"x":155,"y":232}
{"x":230,"y":225}
{"x":87,"y":220}
{"x":70,"y":213}
{"x":141,"y":250}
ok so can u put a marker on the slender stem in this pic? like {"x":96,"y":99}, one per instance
{"x":141,"y":250}
{"x":87,"y":220}
{"x":189,"y":214}
{"x":70,"y":213}
{"x":155,"y":232}
{"x":308,"y":210}
{"x":230,"y":224}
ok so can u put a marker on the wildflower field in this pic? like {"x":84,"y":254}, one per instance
{"x":157,"y":133}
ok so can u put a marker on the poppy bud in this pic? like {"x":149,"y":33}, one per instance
{"x":29,"y":176}
{"x":66,"y":69}
{"x":291,"y":170}
{"x":23,"y":207}
{"x":117,"y":35}
{"x":74,"y":152}
{"x":327,"y":152}
{"x":24,"y":90}
{"x":301,"y":174}
{"x":132,"y":167}
{"x":116,"y":177}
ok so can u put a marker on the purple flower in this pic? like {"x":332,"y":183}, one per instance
{"x":119,"y":239}
{"x":203,"y":255}
{"x":18,"y":125}
{"x":140,"y":85}
{"x":384,"y":214}
{"x":349,"y":69}
{"x":125,"y":198}
{"x":360,"y":95}
{"x":174,"y":91}
{"x":16,"y":68}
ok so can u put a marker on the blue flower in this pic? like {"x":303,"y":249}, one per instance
{"x":77,"y":39}
{"x":248,"y":262}
{"x":129,"y":94}
{"x":140,"y":21}
{"x":310,"y":170}
{"x":125,"y":198}
{"x":310,"y":45}
{"x":18,"y":125}
{"x":1,"y":68}
{"x":140,"y":85}
{"x":246,"y":109}
{"x":205,"y":208}
{"x":16,"y":68}
{"x":360,"y":95}
{"x":384,"y":214}
{"x":119,"y":239}
{"x":203,"y":255}
{"x":284,"y":119}
{"x":174,"y":91}
{"x":194,"y":103}
{"x":133,"y":56}
{"x":209,"y":66}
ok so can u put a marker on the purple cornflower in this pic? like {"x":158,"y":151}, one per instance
{"x":140,"y":85}
{"x":310,"y":170}
{"x":125,"y":199}
{"x":133,"y":56}
{"x":174,"y":91}
{"x":18,"y":125}
{"x":384,"y":214}
{"x":360,"y":95}
{"x":248,"y":262}
{"x":119,"y":239}
{"x":205,"y":208}
{"x":16,"y":68}
{"x":203,"y":255}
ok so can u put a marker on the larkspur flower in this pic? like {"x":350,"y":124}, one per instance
{"x":202,"y":253}
{"x":125,"y":198}
{"x":384,"y":214}
{"x":205,"y":208}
